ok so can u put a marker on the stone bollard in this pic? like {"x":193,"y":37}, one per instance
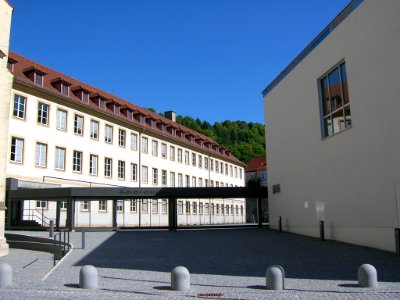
{"x":275,"y":278}
{"x":88,"y":277}
{"x":180,"y":279}
{"x":5,"y":275}
{"x":367,"y":276}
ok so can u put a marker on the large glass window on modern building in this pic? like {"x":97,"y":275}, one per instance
{"x":19,"y":107}
{"x":41,"y":155}
{"x":17,"y":149}
{"x":61,"y":119}
{"x":335,"y":102}
{"x":43,"y":114}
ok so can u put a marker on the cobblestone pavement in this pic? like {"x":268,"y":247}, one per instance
{"x":224,"y":264}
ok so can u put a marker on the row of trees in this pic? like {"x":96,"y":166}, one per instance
{"x":246,"y":140}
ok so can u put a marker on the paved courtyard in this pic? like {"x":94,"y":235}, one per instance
{"x":224,"y":264}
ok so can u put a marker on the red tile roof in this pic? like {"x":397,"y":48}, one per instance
{"x":23,"y":66}
{"x":257,"y":164}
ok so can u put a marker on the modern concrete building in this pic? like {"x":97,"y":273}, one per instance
{"x":64,"y":133}
{"x":6,"y":79}
{"x":332,"y":125}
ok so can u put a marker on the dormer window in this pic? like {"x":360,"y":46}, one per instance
{"x":64,"y":89}
{"x":38,"y":79}
{"x":116,"y":109}
{"x":101,"y":103}
{"x":129,"y":115}
{"x":85,"y":97}
{"x":10,"y":64}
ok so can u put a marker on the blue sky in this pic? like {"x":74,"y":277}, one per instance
{"x":208,"y":59}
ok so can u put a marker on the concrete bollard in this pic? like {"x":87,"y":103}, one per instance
{"x":88,"y":277}
{"x":51,"y":228}
{"x":367,"y":276}
{"x":180,"y":279}
{"x":5,"y":275}
{"x":275,"y":278}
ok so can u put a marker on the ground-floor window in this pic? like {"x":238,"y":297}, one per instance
{"x":164,"y":206}
{"x":194,"y":208}
{"x":132,"y":205}
{"x":63,"y":204}
{"x":201,"y":208}
{"x":120,"y":205}
{"x":145,"y":206}
{"x":187,"y":207}
{"x":154,"y":206}
{"x":103,"y":205}
{"x":84,"y":205}
{"x":180,"y":207}
{"x":41,"y":204}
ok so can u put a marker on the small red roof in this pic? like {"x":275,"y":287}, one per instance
{"x":257,"y":164}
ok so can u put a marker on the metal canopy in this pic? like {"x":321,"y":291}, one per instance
{"x":91,"y":193}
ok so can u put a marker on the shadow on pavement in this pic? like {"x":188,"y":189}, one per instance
{"x":240,"y":252}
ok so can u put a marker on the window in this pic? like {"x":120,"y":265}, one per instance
{"x":60,"y":158}
{"x":78,"y":125}
{"x":84,"y":205}
{"x":180,"y":207}
{"x":163,"y":150}
{"x":121,"y":138}
{"x":211,"y":164}
{"x":116,"y":110}
{"x":38,"y":79}
{"x":121,"y":170}
{"x":120,"y":205}
{"x":193,"y":159}
{"x":194,"y":207}
{"x":145,"y":206}
{"x":172,"y":153}
{"x":107,"y":167}
{"x":155,"y":176}
{"x":222,"y":209}
{"x":193,"y":181}
{"x":217,"y":209}
{"x":154,"y":148}
{"x":206,"y":209}
{"x":206,"y":182}
{"x":109,"y":134}
{"x":216,"y":166}
{"x":180,"y":180}
{"x":63,"y":205}
{"x":221,"y":169}
{"x":232,"y":212}
{"x":335,"y":102}
{"x":236,"y":172}
{"x":77,"y":161}
{"x":172,"y":179}
{"x":200,"y":208}
{"x":93,"y":164}
{"x":227,"y":209}
{"x":94,"y":130}
{"x":132,"y":205}
{"x":102,"y":103}
{"x":145,"y":178}
{"x":41,"y":155}
{"x":41,"y":204}
{"x":186,"y":157}
{"x":154,"y":206}
{"x":241,"y":210}
{"x":200,"y":162}
{"x":43,"y":114}
{"x":200,"y":182}
{"x":19,"y":107}
{"x":179,"y":155}
{"x":134,"y":141}
{"x":240,"y":173}
{"x":187,"y":207}
{"x":133,"y":172}
{"x":61,"y":119}
{"x":164,"y":206}
{"x":103,"y":205}
{"x":85,"y":97}
{"x":145,"y":143}
{"x":64,"y":89}
{"x":206,"y":163}
{"x":226,"y":169}
{"x":231,"y":171}
{"x":164,"y":177}
{"x":237,"y":210}
{"x":17,"y":149}
{"x":187,"y":181}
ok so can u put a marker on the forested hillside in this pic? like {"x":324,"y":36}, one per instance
{"x":246,"y":140}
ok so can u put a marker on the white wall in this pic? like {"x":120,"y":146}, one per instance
{"x":349,"y":180}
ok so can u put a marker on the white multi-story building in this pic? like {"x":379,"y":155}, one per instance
{"x":63,"y":132}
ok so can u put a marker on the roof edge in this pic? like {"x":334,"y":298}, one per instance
{"x":314,"y":43}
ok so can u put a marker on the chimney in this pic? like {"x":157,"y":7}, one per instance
{"x":171,"y":115}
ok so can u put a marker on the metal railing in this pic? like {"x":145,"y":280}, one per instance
{"x":61,"y":245}
{"x":34,"y":214}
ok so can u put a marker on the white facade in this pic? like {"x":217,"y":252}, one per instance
{"x":349,"y":179}
{"x":60,"y":147}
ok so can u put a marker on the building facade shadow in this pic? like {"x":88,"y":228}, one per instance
{"x":239,"y":252}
